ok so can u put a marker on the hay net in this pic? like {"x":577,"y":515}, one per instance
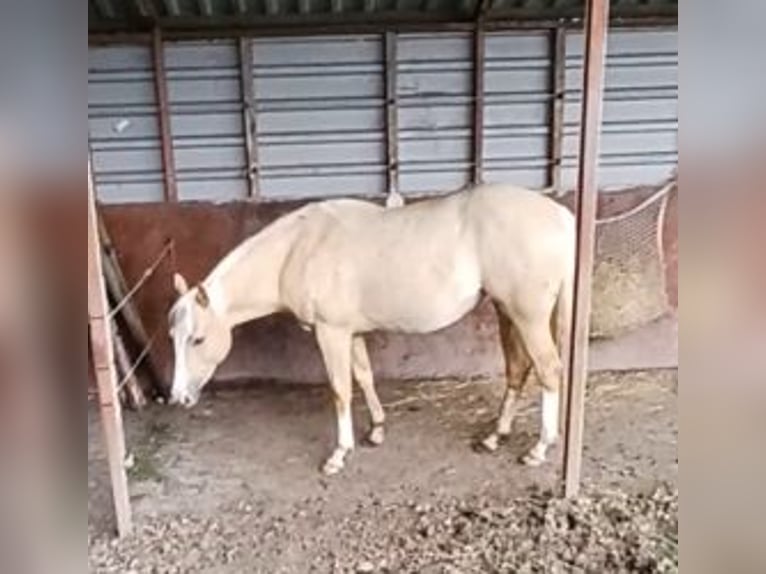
{"x":629,"y":283}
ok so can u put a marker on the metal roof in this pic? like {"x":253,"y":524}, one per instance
{"x":285,"y":16}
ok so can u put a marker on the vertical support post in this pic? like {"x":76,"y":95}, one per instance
{"x":102,"y":352}
{"x":248,"y":115}
{"x":392,"y":130}
{"x":596,"y":23}
{"x":558,"y":92}
{"x":479,"y":51}
{"x":163,"y":113}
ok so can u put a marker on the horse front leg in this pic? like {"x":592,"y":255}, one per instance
{"x":335,"y":346}
{"x":363,"y":374}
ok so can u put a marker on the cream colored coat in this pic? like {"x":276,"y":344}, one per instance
{"x":346,"y":267}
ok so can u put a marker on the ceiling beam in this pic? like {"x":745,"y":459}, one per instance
{"x":185,"y":27}
{"x":205,"y":7}
{"x":482,"y":8}
{"x":144,"y":9}
{"x":272,"y":7}
{"x":105,"y":8}
{"x":172,"y":7}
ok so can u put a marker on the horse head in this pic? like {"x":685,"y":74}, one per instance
{"x":201,"y":341}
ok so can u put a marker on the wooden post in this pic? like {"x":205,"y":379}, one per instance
{"x":558,"y":93}
{"x":596,"y":23}
{"x":479,"y":50}
{"x":248,"y":115}
{"x":105,"y":371}
{"x":392,"y":131}
{"x":163,"y":115}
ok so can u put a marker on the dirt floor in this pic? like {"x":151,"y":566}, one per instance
{"x":233,"y":486}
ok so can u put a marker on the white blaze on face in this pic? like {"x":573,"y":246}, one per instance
{"x":182,"y":329}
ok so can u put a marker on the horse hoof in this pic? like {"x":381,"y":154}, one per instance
{"x":490,"y":444}
{"x":331,"y":468}
{"x":531,"y":460}
{"x":376,"y":436}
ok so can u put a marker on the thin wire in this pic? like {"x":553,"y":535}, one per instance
{"x":144,"y":278}
{"x":640,"y":207}
{"x":138,"y":361}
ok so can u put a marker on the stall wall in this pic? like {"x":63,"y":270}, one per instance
{"x":320,"y":114}
{"x":123,"y":130}
{"x":321,"y":132}
{"x":639,"y":142}
{"x":276,"y":347}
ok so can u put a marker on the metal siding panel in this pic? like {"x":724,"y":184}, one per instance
{"x":517,"y":108}
{"x":435,"y":105}
{"x":321,"y":122}
{"x":320,"y":115}
{"x":532,"y":177}
{"x":206,"y":117}
{"x":317,"y":51}
{"x":122,"y":125}
{"x":128,"y":192}
{"x":664,"y":109}
{"x":640,"y":127}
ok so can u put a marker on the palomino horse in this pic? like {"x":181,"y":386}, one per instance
{"x":347,"y":267}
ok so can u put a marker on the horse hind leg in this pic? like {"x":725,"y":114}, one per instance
{"x":363,"y":374}
{"x":517,"y":367}
{"x":544,"y":354}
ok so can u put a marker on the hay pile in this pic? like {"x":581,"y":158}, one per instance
{"x":627,"y":294}
{"x":629,"y":284}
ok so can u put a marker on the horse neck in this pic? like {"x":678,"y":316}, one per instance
{"x":246,"y":283}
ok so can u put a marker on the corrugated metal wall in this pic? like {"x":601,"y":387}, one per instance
{"x":639,"y":142}
{"x":320,"y":116}
{"x":320,"y":113}
{"x":204,"y":94}
{"x":435,"y":104}
{"x":517,"y":101}
{"x":122,"y":125}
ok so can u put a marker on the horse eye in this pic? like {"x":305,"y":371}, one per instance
{"x":197,"y":341}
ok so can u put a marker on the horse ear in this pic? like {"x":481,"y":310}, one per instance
{"x":180,"y":284}
{"x":202,"y":297}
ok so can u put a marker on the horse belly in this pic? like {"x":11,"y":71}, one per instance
{"x":424,"y":301}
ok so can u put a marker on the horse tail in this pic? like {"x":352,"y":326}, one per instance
{"x":561,"y":329}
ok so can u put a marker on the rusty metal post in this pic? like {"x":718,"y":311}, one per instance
{"x":248,"y":116}
{"x":105,"y":371}
{"x":163,"y":115}
{"x":596,"y":23}
{"x":392,"y":130}
{"x":479,"y":51}
{"x":558,"y":92}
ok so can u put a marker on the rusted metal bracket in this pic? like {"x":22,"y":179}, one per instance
{"x":558,"y":94}
{"x":392,"y":130}
{"x":163,"y":115}
{"x":249,"y":122}
{"x":479,"y":51}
